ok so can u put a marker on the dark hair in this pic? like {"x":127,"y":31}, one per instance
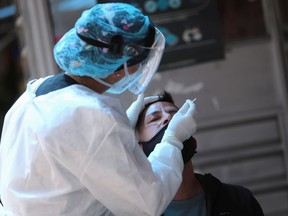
{"x":163,"y":97}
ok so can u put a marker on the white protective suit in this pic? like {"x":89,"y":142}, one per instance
{"x":71,"y":152}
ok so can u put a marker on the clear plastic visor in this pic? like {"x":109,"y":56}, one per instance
{"x":140,"y":69}
{"x":149,"y":65}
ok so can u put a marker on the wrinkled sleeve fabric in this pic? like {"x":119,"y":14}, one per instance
{"x":101,"y":150}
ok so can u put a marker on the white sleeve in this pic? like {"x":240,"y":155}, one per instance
{"x":110,"y":164}
{"x":122,"y":179}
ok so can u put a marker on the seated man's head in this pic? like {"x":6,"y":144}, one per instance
{"x":153,"y":121}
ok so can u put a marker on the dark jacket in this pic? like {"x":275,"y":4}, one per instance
{"x":228,"y":200}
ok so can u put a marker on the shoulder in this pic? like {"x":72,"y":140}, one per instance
{"x":234,"y":197}
{"x":79,"y":111}
{"x":210,"y":182}
{"x":244,"y":198}
{"x":77,"y":100}
{"x":238,"y":192}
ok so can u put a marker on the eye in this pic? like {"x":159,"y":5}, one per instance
{"x":173,"y":112}
{"x":153,"y":118}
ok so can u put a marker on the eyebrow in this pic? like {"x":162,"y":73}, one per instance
{"x":170,"y":109}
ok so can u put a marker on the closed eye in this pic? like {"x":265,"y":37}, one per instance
{"x":154,"y":118}
{"x":173,"y":112}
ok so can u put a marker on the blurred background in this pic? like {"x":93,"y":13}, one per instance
{"x":232,"y":55}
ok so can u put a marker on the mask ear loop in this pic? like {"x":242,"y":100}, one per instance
{"x":126,"y":70}
{"x":111,"y":85}
{"x":103,"y":82}
{"x":127,"y":74}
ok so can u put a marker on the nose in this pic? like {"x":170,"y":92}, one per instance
{"x":166,"y":119}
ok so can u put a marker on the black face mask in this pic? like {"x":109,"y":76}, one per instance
{"x":189,"y":145}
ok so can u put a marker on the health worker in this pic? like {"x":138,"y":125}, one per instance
{"x":68,"y":149}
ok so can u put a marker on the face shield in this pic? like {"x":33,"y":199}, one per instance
{"x":140,"y":68}
{"x":149,"y":65}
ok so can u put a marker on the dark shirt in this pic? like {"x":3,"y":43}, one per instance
{"x":54,"y":83}
{"x":226,"y":199}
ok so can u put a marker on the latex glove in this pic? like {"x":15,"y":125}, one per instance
{"x":182,"y":125}
{"x":137,"y":107}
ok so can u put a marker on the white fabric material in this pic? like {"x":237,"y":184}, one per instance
{"x":182,"y":125}
{"x":137,"y":107}
{"x":72,"y":153}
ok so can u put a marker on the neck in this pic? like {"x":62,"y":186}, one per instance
{"x":90,"y":83}
{"x":190,"y":186}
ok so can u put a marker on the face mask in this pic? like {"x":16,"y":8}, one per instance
{"x":188,"y":150}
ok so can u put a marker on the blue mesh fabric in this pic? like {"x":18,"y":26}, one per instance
{"x":101,"y":22}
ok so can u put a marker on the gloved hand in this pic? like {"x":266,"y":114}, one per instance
{"x":137,"y":106}
{"x":182,"y":125}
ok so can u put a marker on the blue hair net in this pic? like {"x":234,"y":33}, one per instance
{"x":101,"y":23}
